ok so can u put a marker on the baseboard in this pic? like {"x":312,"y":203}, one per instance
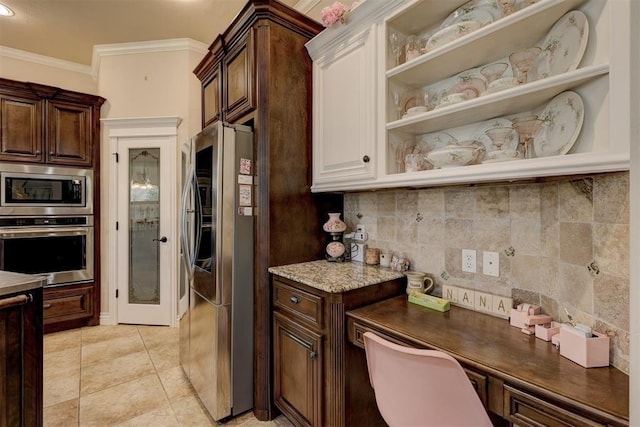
{"x":105,"y":319}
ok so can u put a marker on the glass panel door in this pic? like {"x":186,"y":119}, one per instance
{"x":144,"y":221}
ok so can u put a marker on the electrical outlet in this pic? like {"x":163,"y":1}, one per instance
{"x":469,"y":260}
{"x":491,"y":263}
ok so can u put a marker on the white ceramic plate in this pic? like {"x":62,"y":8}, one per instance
{"x":484,"y":11}
{"x":433,"y":141}
{"x":562,"y":121}
{"x":564,"y":46}
{"x":499,"y":122}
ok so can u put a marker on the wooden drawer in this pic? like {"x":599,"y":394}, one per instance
{"x":298,"y":303}
{"x":480,"y":384}
{"x":526,"y":410}
{"x":62,"y":303}
{"x":356,"y":335}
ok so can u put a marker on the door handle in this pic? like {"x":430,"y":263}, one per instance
{"x":163,"y":239}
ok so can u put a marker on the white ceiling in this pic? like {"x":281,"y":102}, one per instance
{"x":68,"y":29}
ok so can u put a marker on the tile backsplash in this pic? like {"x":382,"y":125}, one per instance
{"x":561,"y":244}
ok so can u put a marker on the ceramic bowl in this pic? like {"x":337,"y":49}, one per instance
{"x":502,"y":155}
{"x":461,"y":154}
{"x":502,"y":84}
{"x":452,"y":98}
{"x":417,"y":110}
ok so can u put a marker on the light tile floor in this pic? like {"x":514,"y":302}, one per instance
{"x":122,"y":375}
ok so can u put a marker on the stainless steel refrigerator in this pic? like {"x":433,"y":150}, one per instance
{"x":216,"y":348}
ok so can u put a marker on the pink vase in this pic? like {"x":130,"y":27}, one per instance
{"x":334,"y":224}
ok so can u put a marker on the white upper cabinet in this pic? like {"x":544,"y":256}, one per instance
{"x":387,"y":117}
{"x":345,"y":98}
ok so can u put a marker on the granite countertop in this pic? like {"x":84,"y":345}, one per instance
{"x":335,"y":277}
{"x":11,"y":283}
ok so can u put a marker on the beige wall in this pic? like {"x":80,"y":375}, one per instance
{"x":556,"y":230}
{"x":47,"y":71}
{"x":151,"y":84}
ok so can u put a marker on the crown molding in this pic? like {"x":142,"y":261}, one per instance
{"x":142,"y":126}
{"x":168,"y":45}
{"x":105,"y":50}
{"x":22,"y":55}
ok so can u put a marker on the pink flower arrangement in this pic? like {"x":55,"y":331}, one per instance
{"x":334,"y":13}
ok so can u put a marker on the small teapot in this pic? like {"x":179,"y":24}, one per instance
{"x":418,"y":282}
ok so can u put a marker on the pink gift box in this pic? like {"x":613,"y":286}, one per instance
{"x":588,"y":352}
{"x":517,"y":318}
{"x":547,"y":330}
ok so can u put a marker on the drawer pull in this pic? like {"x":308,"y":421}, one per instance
{"x":294,"y":299}
{"x":313,"y":355}
{"x":45,"y":306}
{"x":15,"y":301}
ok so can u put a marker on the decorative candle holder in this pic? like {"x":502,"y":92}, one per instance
{"x":522,"y":61}
{"x":526,"y":127}
{"x":493,"y":71}
{"x":499,"y":136}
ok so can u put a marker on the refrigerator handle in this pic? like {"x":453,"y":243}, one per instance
{"x":198,"y":219}
{"x":188,"y":250}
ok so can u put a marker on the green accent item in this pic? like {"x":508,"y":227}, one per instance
{"x":429,"y":301}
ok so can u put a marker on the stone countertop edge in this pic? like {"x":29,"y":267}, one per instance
{"x":11,"y":283}
{"x":335,"y":277}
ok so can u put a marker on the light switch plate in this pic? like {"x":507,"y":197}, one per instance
{"x":491,"y":263}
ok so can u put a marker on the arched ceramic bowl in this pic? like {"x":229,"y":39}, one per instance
{"x":461,"y":154}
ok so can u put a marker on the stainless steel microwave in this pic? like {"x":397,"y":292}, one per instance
{"x":45,"y":190}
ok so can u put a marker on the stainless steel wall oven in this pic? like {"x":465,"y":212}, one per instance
{"x":60,"y":248}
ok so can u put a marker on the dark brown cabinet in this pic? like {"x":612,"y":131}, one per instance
{"x":68,"y":304}
{"x":44,"y":124}
{"x":69,"y":140}
{"x":310,"y":352}
{"x":228,"y":80}
{"x":21,"y":359}
{"x":52,"y":126}
{"x":21,"y":120}
{"x":239,"y":80}
{"x":258,"y":73}
{"x":212,"y":97}
{"x":297,"y":370}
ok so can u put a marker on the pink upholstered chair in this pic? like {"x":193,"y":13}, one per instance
{"x":416,"y":387}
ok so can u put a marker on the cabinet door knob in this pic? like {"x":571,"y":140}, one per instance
{"x":313,"y":355}
{"x":45,"y":306}
{"x":51,"y":153}
{"x":366,"y":159}
{"x":294,"y":299}
{"x":38,"y":152}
